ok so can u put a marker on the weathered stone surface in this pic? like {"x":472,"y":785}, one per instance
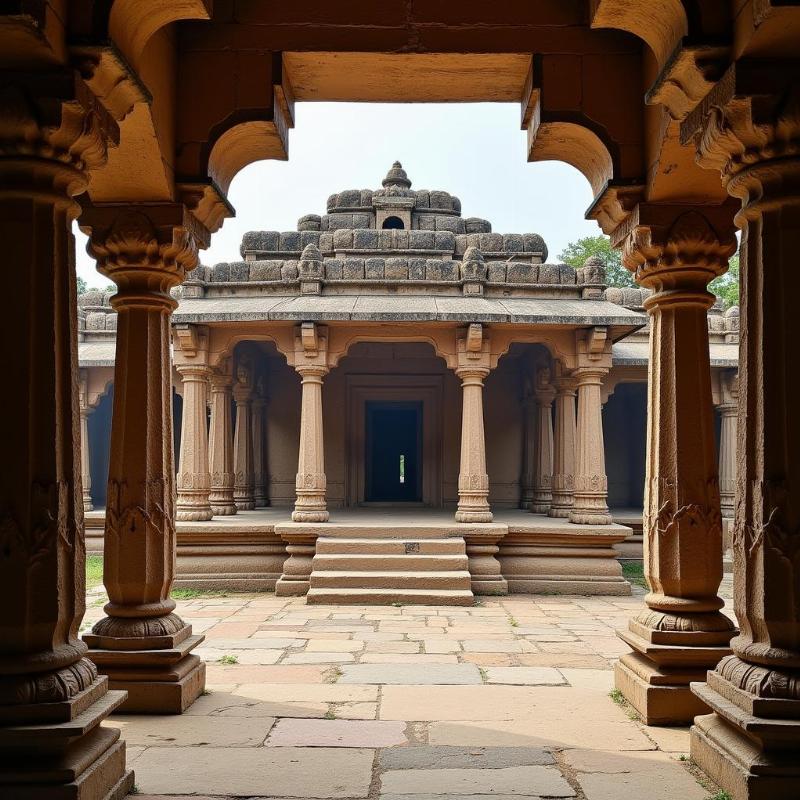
{"x":336,"y":733}
{"x":444,"y":757}
{"x":374,"y":269}
{"x":191,"y":730}
{"x":429,"y":674}
{"x":265,"y":270}
{"x":525,"y":676}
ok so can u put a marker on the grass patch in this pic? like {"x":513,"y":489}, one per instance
{"x":617,"y":696}
{"x":228,"y":660}
{"x":484,"y":674}
{"x":330,"y":714}
{"x":720,"y":795}
{"x":634,"y":573}
{"x":191,"y":594}
{"x":94,"y":571}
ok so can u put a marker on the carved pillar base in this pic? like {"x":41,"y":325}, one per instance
{"x":669,"y":653}
{"x":484,"y":568}
{"x":751,"y":744}
{"x":296,"y":578}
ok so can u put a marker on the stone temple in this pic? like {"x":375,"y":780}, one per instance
{"x":396,"y":403}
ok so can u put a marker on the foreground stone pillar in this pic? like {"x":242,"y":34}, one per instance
{"x":243,"y":441}
{"x":142,"y":645}
{"x":591,"y":485}
{"x":52,"y":700}
{"x":728,"y":408}
{"x":676,"y":252}
{"x":86,"y":472}
{"x":310,"y":361}
{"x":750,"y":745}
{"x":564,"y":450}
{"x":543,"y":487}
{"x":194,"y":479}
{"x":258,"y":408}
{"x":473,"y":479}
{"x":220,"y":445}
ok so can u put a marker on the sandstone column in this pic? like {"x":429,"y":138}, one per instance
{"x":529,"y":420}
{"x":194,"y":479}
{"x":728,"y":411}
{"x":86,"y":472}
{"x":310,"y":360}
{"x":243,"y":440}
{"x":676,"y":252}
{"x":543,"y":487}
{"x":51,"y":697}
{"x":220,"y":444}
{"x":142,"y":645}
{"x":750,"y":745}
{"x":564,"y":451}
{"x":473,"y":480}
{"x":258,"y":408}
{"x":591,"y":484}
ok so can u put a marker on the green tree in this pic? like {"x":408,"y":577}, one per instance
{"x":576,"y":253}
{"x":727,"y":285}
{"x":81,"y":285}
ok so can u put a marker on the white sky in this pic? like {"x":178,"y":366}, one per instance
{"x":476,"y":152}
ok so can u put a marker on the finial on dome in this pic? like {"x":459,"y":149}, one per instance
{"x":396,"y":176}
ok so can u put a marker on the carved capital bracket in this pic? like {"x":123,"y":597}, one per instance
{"x":473,"y":350}
{"x":594,"y":351}
{"x":191,"y":345}
{"x":310,"y":356}
{"x":748,"y":127}
{"x":145,"y":248}
{"x":543,"y":390}
{"x":676,"y":247}
{"x":614,"y":204}
{"x":54,"y":117}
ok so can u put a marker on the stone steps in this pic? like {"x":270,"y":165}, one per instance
{"x":373,"y":571}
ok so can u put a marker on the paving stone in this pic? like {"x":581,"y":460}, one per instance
{"x":226,"y":704}
{"x":336,"y":733}
{"x":525,"y":676}
{"x":410,"y":674}
{"x":356,"y":710}
{"x":408,"y":658}
{"x":491,"y":646}
{"x":600,"y":679}
{"x":333,"y":646}
{"x":319,"y":772}
{"x":276,"y":673}
{"x":255,"y":656}
{"x":669,"y":740}
{"x":301,"y":692}
{"x":605,"y":775}
{"x":192,"y":731}
{"x":513,"y":781}
{"x":426,"y":757}
{"x":318,"y":658}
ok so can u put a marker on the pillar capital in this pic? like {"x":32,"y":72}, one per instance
{"x":677,"y":249}
{"x":543,"y":389}
{"x":145,"y":248}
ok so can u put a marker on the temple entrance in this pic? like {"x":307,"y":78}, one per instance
{"x":393,"y":457}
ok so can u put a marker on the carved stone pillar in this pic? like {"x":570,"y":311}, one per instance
{"x":243,"y":440}
{"x":750,"y":745}
{"x":529,"y":419}
{"x":52,"y":700}
{"x":142,"y":645}
{"x":543,"y":488}
{"x":258,"y":408}
{"x":728,"y":408}
{"x":564,"y":450}
{"x":220,"y":444}
{"x":676,"y":252}
{"x":86,"y":472}
{"x":194,"y":479}
{"x":310,"y":360}
{"x":591,"y":485}
{"x":473,"y":480}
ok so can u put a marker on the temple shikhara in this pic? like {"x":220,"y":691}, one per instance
{"x":389,"y":503}
{"x":391,"y":369}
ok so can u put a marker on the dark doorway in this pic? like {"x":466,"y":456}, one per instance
{"x":393,"y":223}
{"x":393,"y":452}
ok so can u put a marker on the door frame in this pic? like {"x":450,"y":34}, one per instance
{"x":423,"y":389}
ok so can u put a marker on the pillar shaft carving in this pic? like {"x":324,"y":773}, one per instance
{"x":310,"y":361}
{"x":258,"y":408}
{"x":145,"y":250}
{"x":194,"y":479}
{"x":676,"y":252}
{"x":53,"y":132}
{"x":243,"y":440}
{"x":473,"y":479}
{"x":748,"y":127}
{"x":86,"y":472}
{"x":591,"y":485}
{"x":220,"y":445}
{"x":728,"y":408}
{"x":543,"y":486}
{"x":564,"y":449}
{"x":529,"y":422}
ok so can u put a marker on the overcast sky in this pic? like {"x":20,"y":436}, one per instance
{"x":476,"y":152}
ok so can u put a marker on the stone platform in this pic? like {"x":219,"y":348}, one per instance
{"x":518,"y":552}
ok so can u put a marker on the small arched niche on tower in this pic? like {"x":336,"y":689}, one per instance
{"x":393,"y":223}
{"x":394,"y":203}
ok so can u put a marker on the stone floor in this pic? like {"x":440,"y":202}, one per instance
{"x":508,"y":699}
